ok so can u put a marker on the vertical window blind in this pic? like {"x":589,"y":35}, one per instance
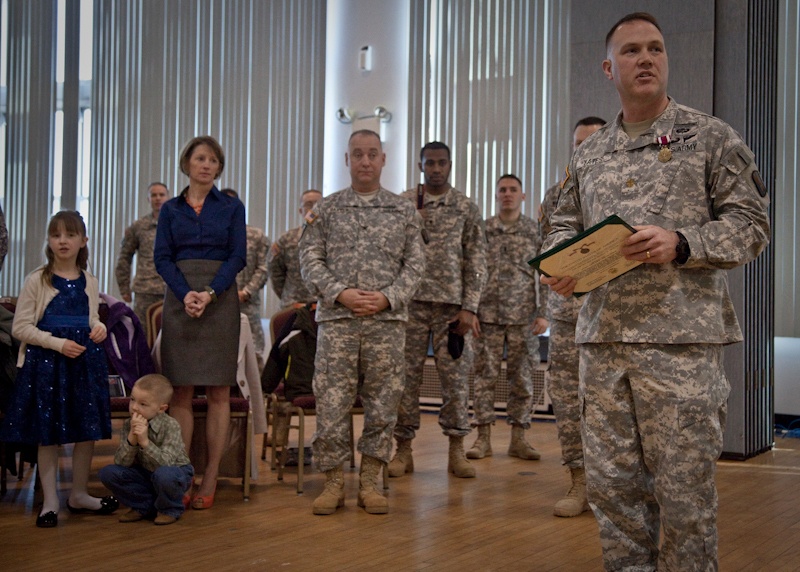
{"x":249,"y":72}
{"x":489,"y":79}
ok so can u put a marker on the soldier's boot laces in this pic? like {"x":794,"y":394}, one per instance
{"x":456,"y":460}
{"x":402,"y":462}
{"x":519,"y":447}
{"x":369,"y":497}
{"x":332,"y":496}
{"x":482,"y":447}
{"x":575,"y":502}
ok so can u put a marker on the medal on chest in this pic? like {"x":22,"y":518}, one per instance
{"x":664,"y":153}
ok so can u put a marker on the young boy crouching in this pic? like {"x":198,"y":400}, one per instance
{"x":151,"y":470}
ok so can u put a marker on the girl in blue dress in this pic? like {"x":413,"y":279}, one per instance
{"x":61,"y":391}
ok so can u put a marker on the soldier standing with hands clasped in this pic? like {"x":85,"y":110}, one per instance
{"x":361,"y":252}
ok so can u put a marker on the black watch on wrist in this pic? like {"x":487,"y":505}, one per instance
{"x":682,"y":252}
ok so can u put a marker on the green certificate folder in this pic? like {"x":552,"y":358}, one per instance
{"x":592,"y":258}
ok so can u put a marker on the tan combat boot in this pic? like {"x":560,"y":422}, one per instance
{"x":402,"y":462}
{"x":575,"y":502}
{"x":456,"y":460}
{"x":519,"y":447}
{"x":369,"y":497}
{"x":332,"y":496}
{"x":482,"y":447}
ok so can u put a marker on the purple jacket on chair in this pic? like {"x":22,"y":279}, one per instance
{"x":126,"y":344}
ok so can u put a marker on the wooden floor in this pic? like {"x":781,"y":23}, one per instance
{"x":501,"y":520}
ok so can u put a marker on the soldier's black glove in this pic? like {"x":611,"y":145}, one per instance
{"x":455,"y":342}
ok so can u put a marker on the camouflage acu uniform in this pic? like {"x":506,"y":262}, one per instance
{"x":375,"y":245}
{"x":456,"y":272}
{"x":507,"y":310}
{"x":562,"y":361}
{"x":284,"y":270}
{"x":252,"y":279}
{"x":652,"y":384}
{"x":148,"y":286}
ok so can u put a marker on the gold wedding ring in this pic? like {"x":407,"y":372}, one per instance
{"x":648,"y":254}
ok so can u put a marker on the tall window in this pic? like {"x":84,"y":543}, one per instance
{"x":103,"y":94}
{"x":74,"y":52}
{"x":249,"y":72}
{"x":487,"y":79}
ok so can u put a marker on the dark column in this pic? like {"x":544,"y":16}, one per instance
{"x":745,"y":95}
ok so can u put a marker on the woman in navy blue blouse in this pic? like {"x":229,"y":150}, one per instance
{"x":200,"y":247}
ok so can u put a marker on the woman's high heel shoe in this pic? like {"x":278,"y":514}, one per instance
{"x":202,"y":503}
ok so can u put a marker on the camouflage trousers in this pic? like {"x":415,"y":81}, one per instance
{"x":426,"y":319}
{"x":141,"y":302}
{"x":562,"y":387}
{"x":253,"y":312}
{"x":522,"y":348}
{"x":349,"y":350}
{"x":652,"y":432}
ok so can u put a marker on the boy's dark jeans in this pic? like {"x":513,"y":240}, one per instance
{"x":149,"y":492}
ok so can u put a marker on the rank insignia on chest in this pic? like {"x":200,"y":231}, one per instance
{"x":665,"y":153}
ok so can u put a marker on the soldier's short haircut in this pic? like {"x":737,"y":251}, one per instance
{"x":366,"y":132}
{"x":156,"y":184}
{"x":591,"y":120}
{"x":304,"y":193}
{"x":509,"y":176}
{"x":630,"y":18}
{"x":433,"y":146}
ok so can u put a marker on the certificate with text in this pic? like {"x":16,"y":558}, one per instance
{"x":592,"y":258}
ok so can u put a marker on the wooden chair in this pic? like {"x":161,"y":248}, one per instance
{"x":300,"y":408}
{"x":276,"y":324}
{"x":237,"y":461}
{"x":278,"y":320}
{"x":153,"y":321}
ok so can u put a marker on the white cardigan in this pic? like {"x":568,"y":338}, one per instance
{"x":31,"y":304}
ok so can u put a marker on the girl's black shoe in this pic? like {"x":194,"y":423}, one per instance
{"x":47,"y":520}
{"x":107,"y":505}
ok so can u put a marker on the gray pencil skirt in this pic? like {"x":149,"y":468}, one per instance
{"x":204,"y":350}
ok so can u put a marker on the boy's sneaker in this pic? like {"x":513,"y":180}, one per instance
{"x":163,"y":519}
{"x":131,"y":516}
